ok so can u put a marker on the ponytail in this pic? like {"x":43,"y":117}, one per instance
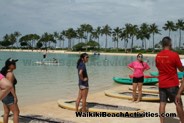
{"x":80,"y":59}
{"x":4,"y":70}
{"x":78,"y":62}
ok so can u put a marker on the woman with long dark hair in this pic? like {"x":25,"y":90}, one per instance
{"x":83,"y":81}
{"x":138,"y":67}
{"x":10,"y":101}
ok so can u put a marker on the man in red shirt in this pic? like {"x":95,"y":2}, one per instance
{"x":167,"y":63}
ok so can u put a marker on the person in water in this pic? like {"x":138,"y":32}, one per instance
{"x":10,"y":101}
{"x":55,"y":60}
{"x":138,"y":67}
{"x":44,"y":56}
{"x":83,"y":81}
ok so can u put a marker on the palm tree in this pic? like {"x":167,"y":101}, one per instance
{"x":70,"y":34}
{"x":98,"y":31}
{"x":47,"y":38}
{"x":144,"y":33}
{"x":89,"y":29}
{"x":125,"y":35}
{"x":12,"y":39}
{"x":8,"y":40}
{"x":62,"y":37}
{"x":17,"y":34}
{"x":30,"y":39}
{"x":86,"y":28}
{"x":170,"y":26}
{"x":116,"y":35}
{"x":80,"y":34}
{"x":180,"y":27}
{"x":34,"y":38}
{"x":154,"y":30}
{"x":106,"y":30}
{"x":133,"y":32}
{"x":24,"y":41}
{"x":56,"y":37}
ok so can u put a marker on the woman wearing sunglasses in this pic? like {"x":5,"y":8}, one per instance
{"x":138,"y":67}
{"x":83,"y":81}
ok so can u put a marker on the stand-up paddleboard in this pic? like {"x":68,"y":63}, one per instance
{"x":128,"y":95}
{"x":148,"y":89}
{"x":99,"y":107}
{"x":129,"y":81}
{"x":46,"y":63}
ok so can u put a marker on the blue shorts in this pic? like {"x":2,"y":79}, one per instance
{"x":8,"y":100}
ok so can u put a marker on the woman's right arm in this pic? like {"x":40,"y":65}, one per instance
{"x":130,"y":66}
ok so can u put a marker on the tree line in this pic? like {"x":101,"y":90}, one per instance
{"x":86,"y":35}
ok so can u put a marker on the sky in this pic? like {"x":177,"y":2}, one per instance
{"x":39,"y":16}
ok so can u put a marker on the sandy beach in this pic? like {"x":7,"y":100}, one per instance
{"x":51,"y":108}
{"x":91,"y":53}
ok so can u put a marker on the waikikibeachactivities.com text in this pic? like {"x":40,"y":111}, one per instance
{"x":123,"y":114}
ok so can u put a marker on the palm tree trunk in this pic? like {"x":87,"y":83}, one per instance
{"x":98,"y":43}
{"x":106,"y":43}
{"x":169,"y":33}
{"x":145,"y":44}
{"x":117,"y":44}
{"x":180,"y":39}
{"x":132,"y":44}
{"x":126,"y":43}
{"x":153,"y":43}
{"x":60,"y":43}
{"x":63,"y":43}
{"x":142,"y":44}
{"x":69,"y":43}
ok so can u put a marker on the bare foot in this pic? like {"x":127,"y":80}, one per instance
{"x":137,"y":101}
{"x":133,"y":100}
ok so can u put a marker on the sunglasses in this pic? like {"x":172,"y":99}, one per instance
{"x":140,"y":56}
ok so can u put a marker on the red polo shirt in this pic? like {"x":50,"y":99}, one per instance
{"x":167,"y":63}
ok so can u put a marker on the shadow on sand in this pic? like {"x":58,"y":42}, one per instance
{"x":171,"y":120}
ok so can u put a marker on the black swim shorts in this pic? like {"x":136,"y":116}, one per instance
{"x":138,"y":80}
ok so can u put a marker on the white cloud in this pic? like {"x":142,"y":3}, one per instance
{"x":39,"y":16}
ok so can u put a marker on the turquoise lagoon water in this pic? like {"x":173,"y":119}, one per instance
{"x":40,"y":83}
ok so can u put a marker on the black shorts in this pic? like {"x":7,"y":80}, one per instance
{"x":168,"y":93}
{"x":138,"y":80}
